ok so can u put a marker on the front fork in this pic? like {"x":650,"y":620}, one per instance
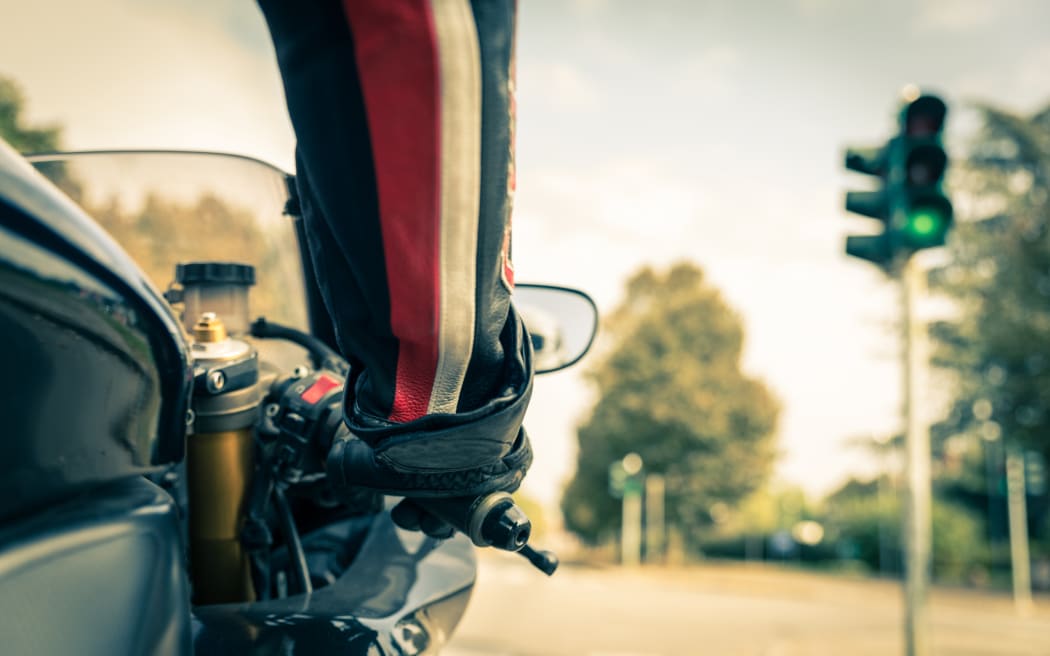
{"x":219,"y":469}
{"x":220,"y":462}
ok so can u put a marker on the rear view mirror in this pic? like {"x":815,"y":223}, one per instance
{"x":561,"y":321}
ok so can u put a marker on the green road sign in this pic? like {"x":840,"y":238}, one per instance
{"x":626,"y":476}
{"x":617,"y":479}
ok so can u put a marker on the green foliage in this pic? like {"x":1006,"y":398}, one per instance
{"x":999,"y":347}
{"x":762,"y":512}
{"x":26,"y":139}
{"x":164,"y":231}
{"x":866,"y":526}
{"x":13,"y":129}
{"x":671,"y":389}
{"x":746,"y":530}
{"x":997,"y":350}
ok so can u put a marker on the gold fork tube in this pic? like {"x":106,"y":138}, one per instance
{"x":219,"y":472}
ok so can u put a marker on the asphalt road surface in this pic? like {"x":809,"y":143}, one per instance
{"x":724,"y":609}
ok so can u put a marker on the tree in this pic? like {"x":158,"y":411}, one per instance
{"x":13,"y":129}
{"x":997,"y":350}
{"x":865,"y":525}
{"x":999,"y":347}
{"x":26,"y":139}
{"x":164,"y":231}
{"x":671,"y":389}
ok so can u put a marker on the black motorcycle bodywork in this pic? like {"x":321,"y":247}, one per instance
{"x":99,"y":573}
{"x":94,"y":399}
{"x":96,"y":370}
{"x":403,"y":594}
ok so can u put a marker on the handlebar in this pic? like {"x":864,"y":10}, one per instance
{"x":307,"y":422}
{"x":493,"y":520}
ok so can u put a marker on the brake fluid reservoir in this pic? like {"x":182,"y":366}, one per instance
{"x":218,"y":287}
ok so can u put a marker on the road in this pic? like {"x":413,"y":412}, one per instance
{"x":723,"y":609}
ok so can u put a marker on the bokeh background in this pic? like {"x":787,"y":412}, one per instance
{"x":682,"y":162}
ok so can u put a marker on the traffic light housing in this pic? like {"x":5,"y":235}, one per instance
{"x":909,"y":199}
{"x":874,"y":204}
{"x":924,"y":212}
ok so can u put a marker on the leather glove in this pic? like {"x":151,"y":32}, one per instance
{"x":352,"y":461}
{"x":455,"y":455}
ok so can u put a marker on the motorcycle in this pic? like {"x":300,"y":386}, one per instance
{"x":162,"y":488}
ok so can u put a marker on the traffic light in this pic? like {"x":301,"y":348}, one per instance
{"x":923,"y":212}
{"x":909,"y":199}
{"x":874,"y":204}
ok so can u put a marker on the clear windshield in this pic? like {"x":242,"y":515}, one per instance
{"x":165,"y":208}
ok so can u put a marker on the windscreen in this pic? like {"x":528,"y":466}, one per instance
{"x":165,"y":208}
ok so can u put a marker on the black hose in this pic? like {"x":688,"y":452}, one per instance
{"x":322,"y":355}
{"x":296,"y":555}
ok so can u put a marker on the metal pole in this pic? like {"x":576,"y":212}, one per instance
{"x":654,"y":518}
{"x":886,"y":490}
{"x":992,"y":448}
{"x":631,"y":532}
{"x":918,"y":531}
{"x":1018,"y":517}
{"x":884,"y":547}
{"x":631,"y":529}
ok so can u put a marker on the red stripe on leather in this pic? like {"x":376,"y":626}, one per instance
{"x":397,"y":62}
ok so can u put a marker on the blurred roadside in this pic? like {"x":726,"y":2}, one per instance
{"x":724,"y":608}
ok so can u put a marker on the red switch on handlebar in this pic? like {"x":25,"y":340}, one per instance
{"x":322,"y":386}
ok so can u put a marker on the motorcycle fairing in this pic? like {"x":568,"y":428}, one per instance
{"x":401,"y":587}
{"x":96,"y":575}
{"x":96,"y":374}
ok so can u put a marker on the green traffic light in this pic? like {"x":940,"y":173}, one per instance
{"x":925,"y":226}
{"x":924,"y":223}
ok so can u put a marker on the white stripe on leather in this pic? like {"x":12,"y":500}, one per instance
{"x":459,"y":64}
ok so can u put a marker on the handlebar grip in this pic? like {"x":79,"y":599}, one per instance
{"x":493,"y":520}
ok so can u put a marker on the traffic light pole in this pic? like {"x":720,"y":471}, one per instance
{"x":915,"y":214}
{"x":918,"y":531}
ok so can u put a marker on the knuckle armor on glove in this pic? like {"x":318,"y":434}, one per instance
{"x":462,"y":454}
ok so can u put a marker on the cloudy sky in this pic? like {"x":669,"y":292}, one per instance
{"x":704,"y":129}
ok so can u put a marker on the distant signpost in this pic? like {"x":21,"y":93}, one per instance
{"x":627,"y":482}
